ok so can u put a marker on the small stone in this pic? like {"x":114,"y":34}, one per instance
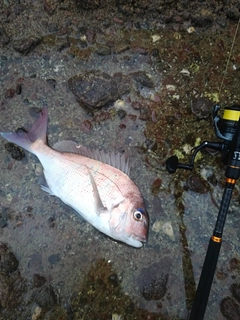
{"x":168,"y":230}
{"x":153,"y":281}
{"x":157,"y":226}
{"x":142,"y":79}
{"x":86,"y":126}
{"x":16,"y":152}
{"x":113,"y":279}
{"x":191,"y":29}
{"x":38,"y":280}
{"x":9,"y":93}
{"x":52,"y":83}
{"x":230,"y":309}
{"x":121,"y":114}
{"x":24,"y":46}
{"x":54,"y":259}
{"x":37,"y":313}
{"x":19,"y":88}
{"x":155,"y":37}
{"x":51,"y":222}
{"x":45,"y":296}
{"x":197,"y":184}
{"x":103,"y":50}
{"x":121,"y":47}
{"x":156,"y":185}
{"x":118,"y":104}
{"x":95,"y":89}
{"x":201,"y":107}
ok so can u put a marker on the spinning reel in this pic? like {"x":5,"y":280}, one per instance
{"x":225,"y":129}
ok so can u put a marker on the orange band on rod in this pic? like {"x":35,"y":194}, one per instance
{"x":216,"y":239}
{"x":232,"y":181}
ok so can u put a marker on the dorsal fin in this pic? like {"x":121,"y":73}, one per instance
{"x":117,"y":160}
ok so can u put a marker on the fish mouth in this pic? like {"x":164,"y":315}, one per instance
{"x":139,"y":238}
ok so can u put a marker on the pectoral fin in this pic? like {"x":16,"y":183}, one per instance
{"x":98,"y":202}
{"x":116,"y":202}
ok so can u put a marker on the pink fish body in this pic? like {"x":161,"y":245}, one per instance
{"x":94,"y":183}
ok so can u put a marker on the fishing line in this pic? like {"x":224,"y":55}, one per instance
{"x":229,"y":55}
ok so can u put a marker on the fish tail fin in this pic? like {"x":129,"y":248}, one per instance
{"x":26,"y":139}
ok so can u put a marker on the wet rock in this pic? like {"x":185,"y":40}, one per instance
{"x":142,"y":79}
{"x":197,"y":184}
{"x":24,"y":46}
{"x":201,"y":107}
{"x":230,"y":309}
{"x":95,"y":89}
{"x":153,"y":281}
{"x":16,"y":152}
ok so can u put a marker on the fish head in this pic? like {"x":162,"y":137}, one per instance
{"x":129,"y":221}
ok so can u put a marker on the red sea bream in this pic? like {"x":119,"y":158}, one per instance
{"x":94,"y":183}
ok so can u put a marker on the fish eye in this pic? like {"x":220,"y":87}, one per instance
{"x":137,"y":215}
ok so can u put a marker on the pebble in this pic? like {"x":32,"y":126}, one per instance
{"x":201,"y":107}
{"x":197,"y":184}
{"x":24,"y":46}
{"x":9,"y":93}
{"x":230,"y":309}
{"x":16,"y":152}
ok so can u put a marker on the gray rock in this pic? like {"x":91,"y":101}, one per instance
{"x":96,"y":89}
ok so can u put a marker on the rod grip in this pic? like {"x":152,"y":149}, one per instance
{"x":205,"y":282}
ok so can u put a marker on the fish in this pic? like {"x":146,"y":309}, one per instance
{"x":96,"y":184}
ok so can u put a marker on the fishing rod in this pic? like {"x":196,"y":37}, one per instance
{"x":226,"y":128}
